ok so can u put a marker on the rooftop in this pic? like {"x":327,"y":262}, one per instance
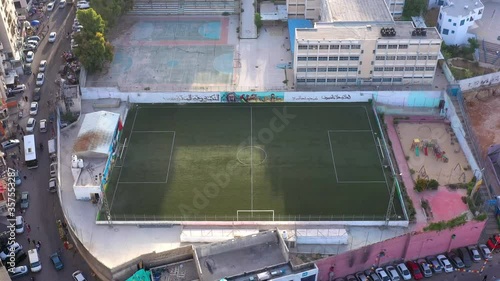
{"x":91,"y":173}
{"x":335,"y":31}
{"x":271,"y":272}
{"x":246,"y":254}
{"x":96,"y":134}
{"x":181,"y":271}
{"x":461,"y":8}
{"x":358,"y":11}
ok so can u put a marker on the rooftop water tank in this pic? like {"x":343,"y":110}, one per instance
{"x":74,"y":161}
{"x":80,"y":163}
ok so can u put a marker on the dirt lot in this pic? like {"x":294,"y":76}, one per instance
{"x":483,"y":107}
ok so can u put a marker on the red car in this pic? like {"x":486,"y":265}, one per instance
{"x":494,"y":242}
{"x":414,"y":270}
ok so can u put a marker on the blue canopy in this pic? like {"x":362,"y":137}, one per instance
{"x":35,"y":22}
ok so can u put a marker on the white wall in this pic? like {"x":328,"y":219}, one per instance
{"x":478,"y":81}
{"x":149,"y":97}
{"x":457,"y":34}
{"x":328,"y":96}
{"x":84,"y":192}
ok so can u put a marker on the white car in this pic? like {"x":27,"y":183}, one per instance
{"x":30,"y":126}
{"x":403,"y":271}
{"x":34,"y":108}
{"x":446,"y":263}
{"x":13,"y":248}
{"x":43,"y":126}
{"x":474,"y":253}
{"x":78,"y":276}
{"x":382,"y":274}
{"x":485,"y":251}
{"x":42,"y":66}
{"x":40,"y":79}
{"x":391,"y":271}
{"x":30,"y":56}
{"x":82,"y":5}
{"x":53,"y":169}
{"x":50,"y":6}
{"x":52,"y":37}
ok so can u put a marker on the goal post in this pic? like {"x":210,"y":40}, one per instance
{"x":252,"y":212}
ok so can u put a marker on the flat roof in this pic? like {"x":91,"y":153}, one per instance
{"x":359,"y":10}
{"x":273,"y":272}
{"x":96,"y":133}
{"x":181,"y":271}
{"x":91,"y":173}
{"x":334,"y":31}
{"x":461,"y":8}
{"x":246,"y":254}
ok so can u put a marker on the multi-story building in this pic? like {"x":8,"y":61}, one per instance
{"x":360,"y":54}
{"x":8,"y":29}
{"x":23,"y":6}
{"x":455,"y":18}
{"x":395,"y":7}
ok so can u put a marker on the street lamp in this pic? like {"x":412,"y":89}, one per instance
{"x":453,"y":236}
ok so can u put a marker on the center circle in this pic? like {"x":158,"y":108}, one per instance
{"x":251,"y":156}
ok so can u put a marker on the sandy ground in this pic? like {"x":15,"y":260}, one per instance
{"x":483,"y":107}
{"x":445,"y":173}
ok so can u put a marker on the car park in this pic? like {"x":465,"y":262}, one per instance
{"x":78,"y":276}
{"x":56,"y":261}
{"x":34,"y":108}
{"x":40,"y":79}
{"x":25,"y":200}
{"x":464,"y":254}
{"x":36,"y":94}
{"x":382,"y":274}
{"x":485,"y":251}
{"x":50,"y":6}
{"x":30,"y":56}
{"x":8,"y":144}
{"x":19,"y":89}
{"x":448,"y":268}
{"x":403,"y":271}
{"x":474,"y":253}
{"x":435,"y":264}
{"x":18,"y":271}
{"x":15,"y":247}
{"x":361,"y":276}
{"x":52,"y":37}
{"x":393,"y":273}
{"x":455,"y":260}
{"x":42,"y":66}
{"x":414,"y":270}
{"x":30,"y":126}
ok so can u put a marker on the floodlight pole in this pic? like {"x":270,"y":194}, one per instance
{"x":105,"y":203}
{"x":391,"y":200}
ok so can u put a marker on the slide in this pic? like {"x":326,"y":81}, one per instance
{"x":425,"y":151}
{"x":417,"y":152}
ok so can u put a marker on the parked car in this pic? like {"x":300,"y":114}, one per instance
{"x":403,"y":271}
{"x":16,"y":247}
{"x":52,"y":37}
{"x":8,"y":144}
{"x":30,"y":126}
{"x":18,"y":271}
{"x":78,"y":276}
{"x":42,"y":66}
{"x":36,"y":94}
{"x":25,"y":200}
{"x":53,"y":169}
{"x":382,"y":274}
{"x":414,"y":270}
{"x":34,"y":37}
{"x":350,"y":278}
{"x":82,"y":5}
{"x":40,"y":79}
{"x":464,"y":254}
{"x":29,"y":48}
{"x":43,"y":126}
{"x":27,"y":69}
{"x":34,"y":108}
{"x":448,"y":268}
{"x":474,"y":252}
{"x":485,"y":251}
{"x":32,"y":42}
{"x":30,"y":56}
{"x":19,"y":224}
{"x":19,"y":89}
{"x":17,"y":178}
{"x":455,"y":260}
{"x":393,"y":273}
{"x":494,"y":242}
{"x":374,"y":277}
{"x":53,"y":185}
{"x":435,"y":264}
{"x":20,"y":256}
{"x":425,"y":268}
{"x":56,"y":261}
{"x":50,"y":6}
{"x":361,"y":276}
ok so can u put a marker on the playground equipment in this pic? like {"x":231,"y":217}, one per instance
{"x":426,"y":145}
{"x":422,"y":173}
{"x":461,"y":172}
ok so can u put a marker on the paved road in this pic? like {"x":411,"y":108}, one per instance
{"x":44,"y":207}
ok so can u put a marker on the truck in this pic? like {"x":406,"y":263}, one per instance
{"x":52,"y":149}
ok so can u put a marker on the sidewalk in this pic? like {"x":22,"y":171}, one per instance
{"x":248,"y":30}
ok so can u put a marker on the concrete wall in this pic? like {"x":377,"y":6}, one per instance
{"x":478,"y":81}
{"x":405,"y":247}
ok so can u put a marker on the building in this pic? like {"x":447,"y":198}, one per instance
{"x":455,"y":18}
{"x":396,"y":7}
{"x":8,"y":29}
{"x":361,"y":54}
{"x":23,"y":6}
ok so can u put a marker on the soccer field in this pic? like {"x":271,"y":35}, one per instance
{"x":283,"y":162}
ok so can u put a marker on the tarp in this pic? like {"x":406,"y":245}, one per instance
{"x":35,"y":22}
{"x":294,"y":24}
{"x":141,"y":275}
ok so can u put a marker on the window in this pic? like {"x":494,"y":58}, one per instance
{"x":440,"y":16}
{"x":454,"y":24}
{"x":334,"y":58}
{"x":403,"y":46}
{"x":312,"y":58}
{"x":381,"y":46}
{"x":432,"y":57}
{"x":301,"y":58}
{"x":302,"y":47}
{"x":331,"y":80}
{"x":345,"y":47}
{"x":301,"y":80}
{"x":419,"y":68}
{"x":342,"y":69}
{"x":310,"y":80}
{"x":386,"y":79}
{"x":453,"y":32}
{"x":355,"y":47}
{"x":399,"y":68}
{"x":378,"y":69}
{"x":392,"y":46}
{"x":311,"y":69}
{"x":322,"y":69}
{"x":343,"y":58}
{"x":445,"y":31}
{"x":380,"y":58}
{"x":409,"y":68}
{"x":390,"y":58}
{"x":462,"y":22}
{"x":313,"y":47}
{"x":351,"y":80}
{"x":323,"y":47}
{"x":353,"y":58}
{"x":334,"y":47}
{"x":401,"y":58}
{"x":322,"y":58}
{"x":388,"y":68}
{"x":449,"y":20}
{"x":411,"y":57}
{"x":341,"y":80}
{"x":332,"y":69}
{"x":429,"y":68}
{"x":377,"y":79}
{"x":397,"y":79}
{"x":480,"y":12}
{"x":301,"y":69}
{"x":353,"y":69}
{"x":321,"y":80}
{"x":422,"y":57}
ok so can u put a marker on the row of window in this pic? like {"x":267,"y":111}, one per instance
{"x":330,"y":58}
{"x":392,"y":46}
{"x":406,"y":57}
{"x":327,"y":69}
{"x":324,"y":80}
{"x":407,"y":68}
{"x":329,"y":47}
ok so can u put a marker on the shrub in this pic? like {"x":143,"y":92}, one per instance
{"x":481,"y":217}
{"x":433,"y":184}
{"x":411,"y":170}
{"x":464,"y":199}
{"x":420,"y":185}
{"x":441,"y":225}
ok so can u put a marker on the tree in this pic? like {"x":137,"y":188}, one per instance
{"x":258,"y":20}
{"x":93,"y":51}
{"x":111,"y":10}
{"x":92,"y":22}
{"x":414,"y":8}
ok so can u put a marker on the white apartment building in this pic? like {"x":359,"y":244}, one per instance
{"x":359,"y":54}
{"x":455,"y":18}
{"x":395,"y":7}
{"x":8,"y":28}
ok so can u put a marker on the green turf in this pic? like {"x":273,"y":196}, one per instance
{"x":217,"y":168}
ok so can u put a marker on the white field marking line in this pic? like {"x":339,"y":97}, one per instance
{"x":124,"y":157}
{"x":170,"y":157}
{"x":251,"y":158}
{"x":333,"y":158}
{"x":349,"y":131}
{"x":141,"y":182}
{"x":153,"y":132}
{"x":362,"y":182}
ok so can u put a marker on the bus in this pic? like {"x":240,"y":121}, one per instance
{"x":30,"y":152}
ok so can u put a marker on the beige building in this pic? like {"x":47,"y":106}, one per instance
{"x":395,"y":7}
{"x":8,"y":28}
{"x":362,"y":54}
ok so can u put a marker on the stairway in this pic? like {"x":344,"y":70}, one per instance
{"x":182,"y":7}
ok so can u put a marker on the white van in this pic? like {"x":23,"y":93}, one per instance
{"x":62,"y":4}
{"x":19,"y":224}
{"x":35,"y":264}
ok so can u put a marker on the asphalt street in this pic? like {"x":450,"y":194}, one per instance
{"x":44,"y":207}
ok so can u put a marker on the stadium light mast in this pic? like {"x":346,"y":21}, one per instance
{"x":391,"y":199}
